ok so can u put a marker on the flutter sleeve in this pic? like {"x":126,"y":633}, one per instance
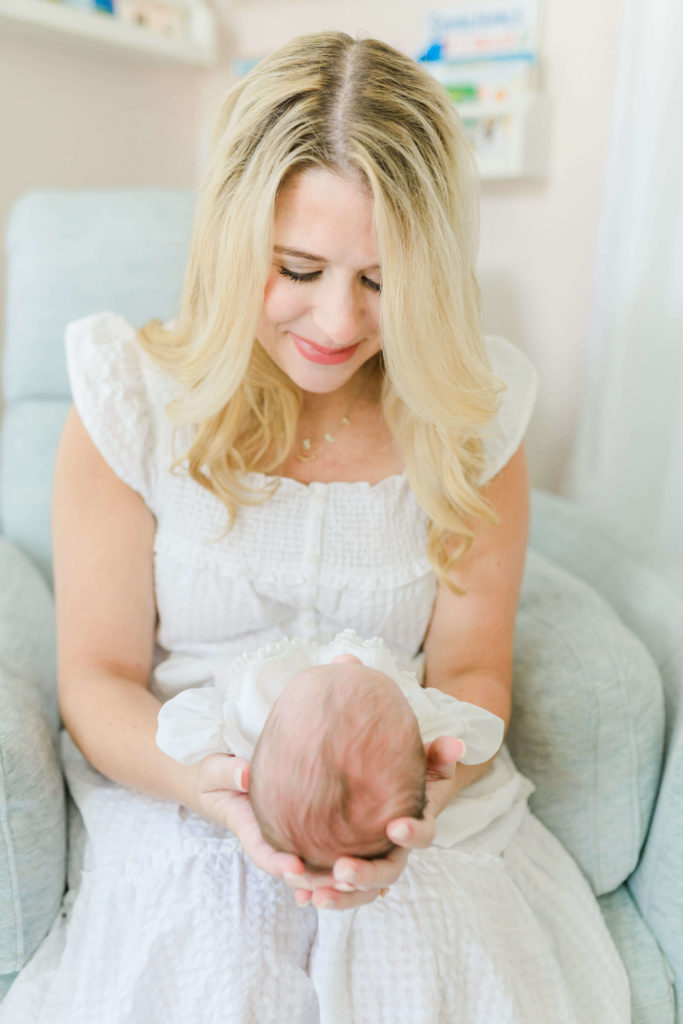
{"x":190,"y":725}
{"x":506,"y":433}
{"x":439,"y":714}
{"x":119,"y":395}
{"x":227,"y":717}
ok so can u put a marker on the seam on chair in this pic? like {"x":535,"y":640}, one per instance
{"x":668,"y":793}
{"x":637,"y":753}
{"x":552,"y":628}
{"x":644,"y":1011}
{"x":6,"y":833}
{"x":618,"y":663}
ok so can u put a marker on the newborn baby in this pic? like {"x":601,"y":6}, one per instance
{"x":354,"y":761}
{"x":335,"y":733}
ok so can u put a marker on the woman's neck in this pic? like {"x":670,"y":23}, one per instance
{"x":363,"y":389}
{"x":344,"y":438}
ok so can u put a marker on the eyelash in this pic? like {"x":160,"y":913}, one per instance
{"x":307,"y":278}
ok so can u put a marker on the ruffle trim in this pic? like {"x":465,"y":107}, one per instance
{"x":332,"y":573}
{"x":347,"y":638}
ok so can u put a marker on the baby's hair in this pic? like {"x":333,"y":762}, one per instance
{"x":331,"y":787}
{"x":362,"y":109}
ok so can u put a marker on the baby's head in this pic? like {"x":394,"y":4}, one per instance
{"x":339,"y":757}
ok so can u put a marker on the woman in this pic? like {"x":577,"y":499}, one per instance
{"x":359,"y":464}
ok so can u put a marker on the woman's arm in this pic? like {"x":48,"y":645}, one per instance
{"x":103,"y":535}
{"x":469,"y":643}
{"x":102,"y":539}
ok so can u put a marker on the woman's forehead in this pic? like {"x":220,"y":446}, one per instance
{"x":323,"y":216}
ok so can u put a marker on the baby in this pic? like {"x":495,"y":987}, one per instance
{"x":340,"y":756}
{"x":335,"y":733}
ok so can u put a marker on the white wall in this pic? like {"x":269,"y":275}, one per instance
{"x":83,"y":118}
{"x":74,"y":117}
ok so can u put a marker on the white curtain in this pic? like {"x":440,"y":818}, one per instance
{"x":629,"y":455}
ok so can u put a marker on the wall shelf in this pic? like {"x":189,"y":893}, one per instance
{"x":505,"y":115}
{"x":510,"y":139}
{"x":97,"y":30}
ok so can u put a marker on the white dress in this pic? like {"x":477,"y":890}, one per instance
{"x":166,"y":921}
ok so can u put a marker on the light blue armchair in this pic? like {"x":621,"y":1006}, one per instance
{"x":597,"y":721}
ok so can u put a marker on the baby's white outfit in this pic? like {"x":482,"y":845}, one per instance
{"x":166,"y":920}
{"x":228,"y":716}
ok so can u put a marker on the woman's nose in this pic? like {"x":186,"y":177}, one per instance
{"x":340,"y":315}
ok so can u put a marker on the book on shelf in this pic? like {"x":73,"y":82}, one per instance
{"x":169,"y":18}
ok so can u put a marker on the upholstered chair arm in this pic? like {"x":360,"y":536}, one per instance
{"x":32,"y":802}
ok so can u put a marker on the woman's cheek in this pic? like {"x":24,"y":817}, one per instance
{"x":281,"y":302}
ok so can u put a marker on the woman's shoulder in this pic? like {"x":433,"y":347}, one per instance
{"x":105,"y":331}
{"x":519,"y":378}
{"x":111,"y":342}
{"x":104,"y":353}
{"x":120,"y":395}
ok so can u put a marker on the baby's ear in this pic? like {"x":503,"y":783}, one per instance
{"x":346,"y":657}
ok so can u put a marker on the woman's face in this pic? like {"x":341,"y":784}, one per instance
{"x":320,"y":317}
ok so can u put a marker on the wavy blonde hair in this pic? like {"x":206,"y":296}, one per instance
{"x":358,"y":107}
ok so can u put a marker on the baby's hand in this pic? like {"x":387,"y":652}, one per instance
{"x":222,"y":785}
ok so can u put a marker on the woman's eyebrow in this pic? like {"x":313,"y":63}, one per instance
{"x":283,"y":250}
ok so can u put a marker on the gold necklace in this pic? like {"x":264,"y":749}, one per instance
{"x":306,"y":454}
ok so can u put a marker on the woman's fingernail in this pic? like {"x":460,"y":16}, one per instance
{"x":240,"y":778}
{"x":343,"y":887}
{"x":345,"y":875}
{"x":463,"y":750}
{"x":399,"y":832}
{"x":292,"y":878}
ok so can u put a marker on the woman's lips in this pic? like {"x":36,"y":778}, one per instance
{"x":318,"y":354}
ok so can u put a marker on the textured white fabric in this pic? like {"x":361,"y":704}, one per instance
{"x":166,"y":921}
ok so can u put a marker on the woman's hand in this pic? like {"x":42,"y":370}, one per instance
{"x":355,"y":881}
{"x":222,"y":785}
{"x":442,"y":755}
{"x":352,"y":882}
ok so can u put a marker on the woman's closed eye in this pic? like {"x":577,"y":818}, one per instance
{"x":313,"y":275}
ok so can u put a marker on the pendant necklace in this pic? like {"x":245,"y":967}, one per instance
{"x":306,"y":453}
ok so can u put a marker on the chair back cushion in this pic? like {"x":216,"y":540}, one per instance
{"x":587,"y":721}
{"x":70,"y":253}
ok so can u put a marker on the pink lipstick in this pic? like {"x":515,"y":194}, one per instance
{"x":317,"y":354}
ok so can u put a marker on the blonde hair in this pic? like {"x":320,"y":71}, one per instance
{"x":357,"y":107}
